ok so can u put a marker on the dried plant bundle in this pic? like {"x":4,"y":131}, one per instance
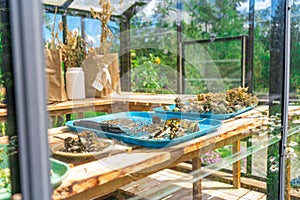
{"x":55,"y":41}
{"x":106,"y":37}
{"x":73,"y":51}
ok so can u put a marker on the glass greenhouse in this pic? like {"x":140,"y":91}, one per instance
{"x":150,"y":99}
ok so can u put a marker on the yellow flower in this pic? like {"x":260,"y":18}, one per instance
{"x":157,"y":60}
{"x":133,"y":54}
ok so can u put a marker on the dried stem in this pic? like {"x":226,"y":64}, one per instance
{"x":104,"y":17}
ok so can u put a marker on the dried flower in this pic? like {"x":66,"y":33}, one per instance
{"x":223,"y":103}
{"x":74,"y":50}
{"x":272,"y":159}
{"x":55,"y":42}
{"x":262,"y":133}
{"x":292,"y":144}
{"x":210,"y":157}
{"x":274,"y":168}
{"x":104,"y":17}
{"x":290,"y":153}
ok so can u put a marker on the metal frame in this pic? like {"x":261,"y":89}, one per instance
{"x":124,"y":21}
{"x":31,"y":99}
{"x":243,"y":39}
{"x":29,"y":85}
{"x":250,"y":47}
{"x":285,"y":101}
{"x":180,"y":50}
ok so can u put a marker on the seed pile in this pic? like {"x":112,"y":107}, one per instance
{"x":218,"y":103}
{"x":87,"y":142}
{"x":156,"y":128}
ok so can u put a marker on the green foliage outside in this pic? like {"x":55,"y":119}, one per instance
{"x":5,"y":181}
{"x":208,"y":19}
{"x":149,"y":75}
{"x":60,"y":120}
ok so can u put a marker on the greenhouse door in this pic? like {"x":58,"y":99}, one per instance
{"x":22,"y":74}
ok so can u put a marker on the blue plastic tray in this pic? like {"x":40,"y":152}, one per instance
{"x":141,"y":139}
{"x":201,"y":115}
{"x":295,"y":183}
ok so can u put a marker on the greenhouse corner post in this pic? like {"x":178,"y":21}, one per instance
{"x":285,"y":101}
{"x":279,"y":91}
{"x":180,"y":70}
{"x":28,"y":67}
{"x":250,"y":47}
{"x":6,"y":65}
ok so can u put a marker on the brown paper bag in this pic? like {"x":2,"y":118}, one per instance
{"x":54,"y":76}
{"x":92,"y":67}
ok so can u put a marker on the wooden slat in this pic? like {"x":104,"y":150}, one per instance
{"x":287,"y":183}
{"x":79,"y":104}
{"x":58,"y":130}
{"x":252,"y":195}
{"x":236,"y":170}
{"x":91,"y":174}
{"x":210,"y":189}
{"x":4,"y":140}
{"x":246,"y":183}
{"x":3,"y":112}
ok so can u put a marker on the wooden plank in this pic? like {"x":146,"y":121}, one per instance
{"x":236,"y":170}
{"x":247,"y":183}
{"x":264,"y":197}
{"x":4,"y":140}
{"x":184,"y":193}
{"x":252,"y":195}
{"x":154,"y":181}
{"x":89,"y":175}
{"x":196,"y":167}
{"x":140,"y":186}
{"x":210,"y":189}
{"x":59,"y":130}
{"x":79,"y":104}
{"x":295,"y":193}
{"x":287,"y":180}
{"x":3,"y":112}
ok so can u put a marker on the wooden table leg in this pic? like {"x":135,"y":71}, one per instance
{"x":68,"y":117}
{"x":236,"y":166}
{"x":287,"y":191}
{"x":196,"y":165}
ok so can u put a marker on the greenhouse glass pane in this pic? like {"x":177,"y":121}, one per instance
{"x":50,"y":26}
{"x":119,"y":6}
{"x":213,"y":57}
{"x":154,"y":48}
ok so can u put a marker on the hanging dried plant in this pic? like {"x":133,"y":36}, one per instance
{"x":106,"y":37}
{"x":55,"y":42}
